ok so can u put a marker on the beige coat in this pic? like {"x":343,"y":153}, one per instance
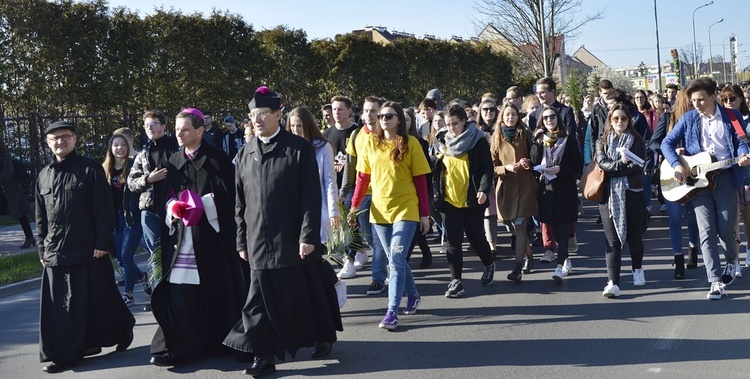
{"x":515,"y":193}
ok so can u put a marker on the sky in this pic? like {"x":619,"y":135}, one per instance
{"x":624,"y":36}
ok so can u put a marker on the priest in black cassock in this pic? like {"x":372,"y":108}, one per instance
{"x":81,"y":308}
{"x":292,"y":301}
{"x":201,"y":292}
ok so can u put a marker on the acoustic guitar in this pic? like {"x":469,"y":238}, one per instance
{"x":700,"y":171}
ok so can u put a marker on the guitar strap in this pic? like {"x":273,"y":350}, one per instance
{"x":737,"y":127}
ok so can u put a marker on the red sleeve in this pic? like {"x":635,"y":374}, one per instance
{"x":420,"y":182}
{"x":360,"y":189}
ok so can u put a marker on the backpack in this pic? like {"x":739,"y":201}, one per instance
{"x":22,"y":175}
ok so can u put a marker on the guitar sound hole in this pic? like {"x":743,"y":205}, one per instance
{"x":691,"y":181}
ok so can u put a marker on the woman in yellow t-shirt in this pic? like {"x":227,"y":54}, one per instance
{"x":463,"y":179}
{"x":395,"y":166}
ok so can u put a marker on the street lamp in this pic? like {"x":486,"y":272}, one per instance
{"x":710,"y":54}
{"x":695,"y":48}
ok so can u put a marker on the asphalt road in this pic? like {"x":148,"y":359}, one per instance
{"x":535,"y":329}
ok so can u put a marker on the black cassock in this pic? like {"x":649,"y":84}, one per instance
{"x":193,"y":319}
{"x":292,"y":301}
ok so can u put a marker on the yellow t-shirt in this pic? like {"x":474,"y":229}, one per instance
{"x":456,"y":179}
{"x":394,"y":195}
{"x":358,"y":143}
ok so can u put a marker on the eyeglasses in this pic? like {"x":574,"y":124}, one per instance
{"x":549,"y":117}
{"x":386,"y":116}
{"x":730,"y":99}
{"x":64,"y":138}
{"x":620,"y":118}
{"x":260,"y":114}
{"x":489,"y":109}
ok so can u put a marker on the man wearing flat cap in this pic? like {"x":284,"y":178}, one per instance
{"x":292,"y":301}
{"x":81,"y":308}
{"x":200,"y":294}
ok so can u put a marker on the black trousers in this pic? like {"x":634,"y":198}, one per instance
{"x":458,"y":221}
{"x":635,"y":213}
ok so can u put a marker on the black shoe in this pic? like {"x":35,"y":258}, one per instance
{"x":146,"y":285}
{"x":147,"y":308}
{"x":321,"y":349}
{"x":375,"y":288}
{"x":426,"y":262}
{"x":598,"y":221}
{"x":489,"y":275}
{"x":168,"y":360}
{"x":455,"y":289}
{"x":261,"y":366}
{"x":528,"y":264}
{"x":516,"y":274}
{"x":692,"y":261}
{"x":55,"y":367}
{"x":679,"y":266}
{"x":120,"y":283}
{"x":28,"y":243}
{"x":125,"y":344}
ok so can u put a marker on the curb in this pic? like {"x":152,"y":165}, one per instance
{"x":35,"y":283}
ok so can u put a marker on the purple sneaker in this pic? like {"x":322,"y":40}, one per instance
{"x":390,"y":321}
{"x":412,"y":303}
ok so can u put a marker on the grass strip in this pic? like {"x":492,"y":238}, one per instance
{"x":19,"y":267}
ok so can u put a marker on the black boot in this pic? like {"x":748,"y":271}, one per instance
{"x":692,"y":261}
{"x":528,"y":264}
{"x":30,"y":241}
{"x":516,"y":274}
{"x":679,"y":266}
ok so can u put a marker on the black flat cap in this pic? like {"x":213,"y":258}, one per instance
{"x":60,"y":125}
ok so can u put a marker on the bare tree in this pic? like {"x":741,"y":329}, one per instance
{"x":686,"y":56}
{"x":520,"y":23}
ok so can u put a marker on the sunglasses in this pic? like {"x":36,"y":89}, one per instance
{"x":730,"y":99}
{"x":549,"y":117}
{"x":386,"y":116}
{"x":620,"y":118}
{"x":488,"y":109}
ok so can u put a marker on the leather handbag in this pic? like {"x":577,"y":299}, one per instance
{"x":592,"y":182}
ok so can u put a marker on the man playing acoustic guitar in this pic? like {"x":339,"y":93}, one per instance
{"x":709,"y":128}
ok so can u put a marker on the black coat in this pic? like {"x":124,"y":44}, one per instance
{"x":480,"y":175}
{"x":615,"y":168}
{"x":219,"y":265}
{"x":278,"y":201}
{"x":560,"y":205}
{"x":74,"y":211}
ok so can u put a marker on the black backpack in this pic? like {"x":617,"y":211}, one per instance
{"x":22,"y":175}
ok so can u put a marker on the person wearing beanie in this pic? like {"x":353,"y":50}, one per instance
{"x":81,"y":310}
{"x":292,"y":301}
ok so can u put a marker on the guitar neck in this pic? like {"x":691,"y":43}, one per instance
{"x":719,"y":165}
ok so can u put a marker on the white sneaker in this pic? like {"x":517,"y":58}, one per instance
{"x":639,"y":277}
{"x":348,"y":271}
{"x":611,"y":290}
{"x":737,"y":269}
{"x":548,"y":257}
{"x":341,"y":293}
{"x":716,"y":291}
{"x":558,"y":276}
{"x":567,"y":268}
{"x":360,"y":260}
{"x":573,"y":244}
{"x":444,"y":247}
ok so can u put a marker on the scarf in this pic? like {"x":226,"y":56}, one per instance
{"x":618,"y":185}
{"x":459,"y":145}
{"x":508,"y":133}
{"x":549,"y":139}
{"x":552,"y":157}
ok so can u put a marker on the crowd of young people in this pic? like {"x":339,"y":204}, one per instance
{"x":263,"y":201}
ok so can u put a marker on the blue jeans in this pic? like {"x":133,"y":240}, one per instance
{"x":397,"y":237}
{"x":152,"y":235}
{"x":126,"y":241}
{"x":379,"y":259}
{"x":675,"y":212}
